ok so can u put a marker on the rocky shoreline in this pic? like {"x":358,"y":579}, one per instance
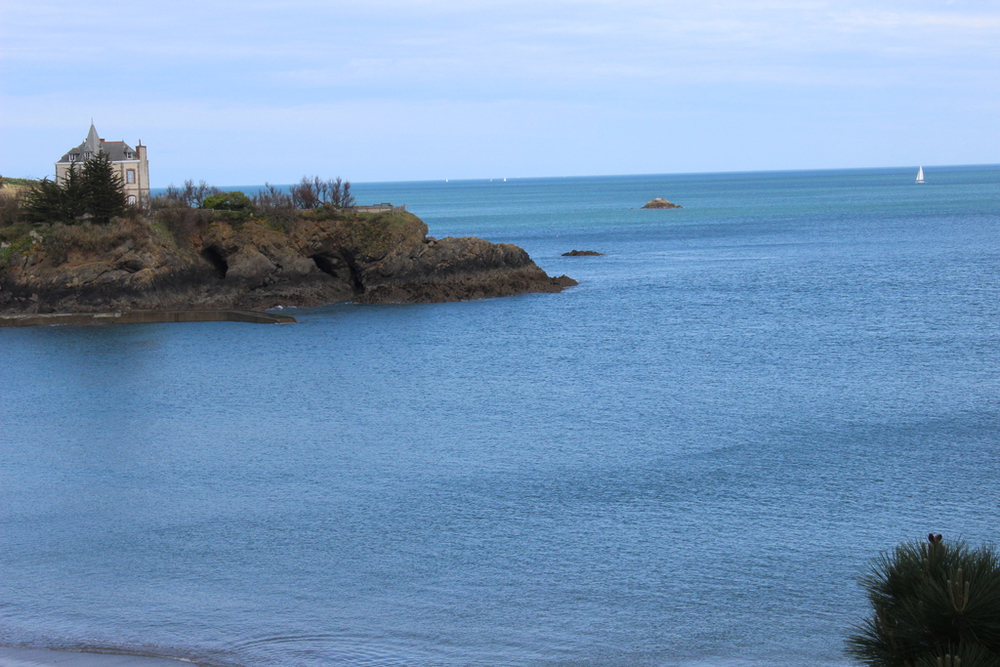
{"x":249,"y":265}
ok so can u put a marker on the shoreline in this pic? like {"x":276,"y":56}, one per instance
{"x":146,"y":317}
{"x":13,"y":656}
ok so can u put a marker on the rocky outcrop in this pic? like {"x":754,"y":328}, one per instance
{"x":248,"y":265}
{"x":583,"y":253}
{"x":661,"y":203}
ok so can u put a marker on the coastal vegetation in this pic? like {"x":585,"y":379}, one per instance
{"x":6,"y":182}
{"x":65,"y":249}
{"x":935,"y":604}
{"x":94,"y":192}
{"x":88,"y":211}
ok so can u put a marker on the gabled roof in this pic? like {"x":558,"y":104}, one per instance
{"x":117,"y":150}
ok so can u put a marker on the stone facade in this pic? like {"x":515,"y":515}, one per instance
{"x":130,"y":163}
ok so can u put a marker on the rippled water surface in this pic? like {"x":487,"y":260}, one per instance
{"x":684,"y":461}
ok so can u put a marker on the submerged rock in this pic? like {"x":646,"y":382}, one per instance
{"x":661,"y":203}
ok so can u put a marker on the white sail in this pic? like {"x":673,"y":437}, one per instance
{"x":920,"y":175}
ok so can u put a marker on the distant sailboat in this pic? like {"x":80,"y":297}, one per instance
{"x":920,"y":175}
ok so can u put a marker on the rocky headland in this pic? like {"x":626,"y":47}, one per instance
{"x":215,"y":261}
{"x":659,"y":202}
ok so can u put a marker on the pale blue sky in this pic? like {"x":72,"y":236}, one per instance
{"x":253,"y":91}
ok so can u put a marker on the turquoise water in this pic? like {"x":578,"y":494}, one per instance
{"x":684,"y":461}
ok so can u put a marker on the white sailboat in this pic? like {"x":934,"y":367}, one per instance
{"x":920,"y":175}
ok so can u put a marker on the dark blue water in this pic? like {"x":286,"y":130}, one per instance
{"x":686,"y":460}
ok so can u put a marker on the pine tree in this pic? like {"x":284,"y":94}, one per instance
{"x":103,"y":190}
{"x":73,"y":193}
{"x":45,"y":202}
{"x":96,"y":190}
{"x":935,"y":605}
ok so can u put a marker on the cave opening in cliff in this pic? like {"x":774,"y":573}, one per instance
{"x":339,"y":267}
{"x":217,"y":260}
{"x":326,"y":265}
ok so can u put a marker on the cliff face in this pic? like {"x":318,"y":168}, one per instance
{"x":228,"y":264}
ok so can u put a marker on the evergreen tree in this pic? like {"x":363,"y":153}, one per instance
{"x":96,"y":190}
{"x":45,"y":202}
{"x":935,"y":605}
{"x":102,"y":189}
{"x":73,"y":193}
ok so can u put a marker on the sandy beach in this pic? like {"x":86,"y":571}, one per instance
{"x":34,"y":657}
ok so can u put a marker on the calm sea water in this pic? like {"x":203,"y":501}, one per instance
{"x":686,"y":460}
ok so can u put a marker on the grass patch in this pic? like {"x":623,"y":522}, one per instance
{"x":7,"y":181}
{"x":92,"y":239}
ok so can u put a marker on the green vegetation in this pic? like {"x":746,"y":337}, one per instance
{"x":7,"y":182}
{"x":88,"y":239}
{"x":189,"y":210}
{"x":934,"y":605}
{"x":87,"y":211}
{"x":19,"y":244}
{"x":95,"y":192}
{"x":228,"y":201}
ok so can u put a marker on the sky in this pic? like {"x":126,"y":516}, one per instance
{"x":386,"y":90}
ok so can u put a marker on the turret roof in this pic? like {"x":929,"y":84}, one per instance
{"x":117,"y":150}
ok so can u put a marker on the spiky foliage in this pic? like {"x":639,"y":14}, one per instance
{"x":934,"y":605}
{"x":103,"y":190}
{"x":96,"y":190}
{"x":44,"y":202}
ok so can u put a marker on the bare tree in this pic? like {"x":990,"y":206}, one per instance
{"x":309,"y":193}
{"x":190,"y":195}
{"x":313,"y":193}
{"x":346,"y":198}
{"x":272,"y":197}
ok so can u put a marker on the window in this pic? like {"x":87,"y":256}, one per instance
{"x":131,"y":200}
{"x":73,"y":157}
{"x":130,"y":175}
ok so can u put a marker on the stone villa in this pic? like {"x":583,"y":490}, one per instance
{"x":129,"y":162}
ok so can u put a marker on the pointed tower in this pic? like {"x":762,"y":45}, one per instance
{"x":130,"y":163}
{"x":93,"y":141}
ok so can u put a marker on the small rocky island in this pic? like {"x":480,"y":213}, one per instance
{"x":583,"y":253}
{"x":201,"y":259}
{"x":661,"y":203}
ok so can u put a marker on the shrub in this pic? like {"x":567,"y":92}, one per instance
{"x":183,"y":223}
{"x":275,"y":206}
{"x":10,"y":209}
{"x":190,"y":195}
{"x":93,"y":239}
{"x":227,"y":201}
{"x":934,"y":604}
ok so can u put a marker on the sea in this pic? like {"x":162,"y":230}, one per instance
{"x":687,"y":460}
